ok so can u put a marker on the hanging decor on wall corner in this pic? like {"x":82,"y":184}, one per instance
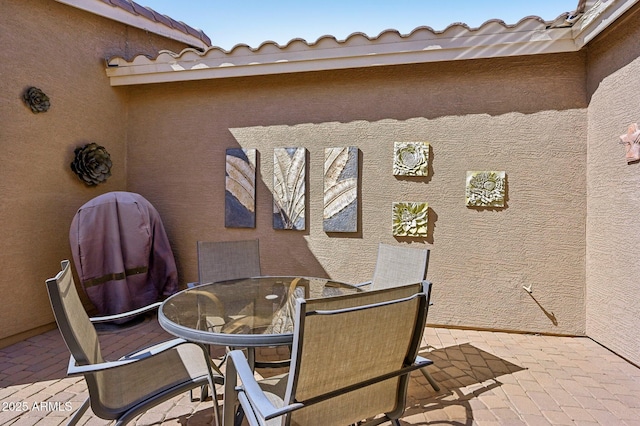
{"x":289,"y":188}
{"x":91,"y":163}
{"x":410,"y":219}
{"x":240,"y":188}
{"x":36,"y":100}
{"x":631,"y":140}
{"x":486,"y":189}
{"x":410,"y":159}
{"x":340,"y":189}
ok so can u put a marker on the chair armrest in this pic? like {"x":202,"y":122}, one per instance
{"x":422,"y":361}
{"x":238,"y":364}
{"x":363,"y":284}
{"x":73,"y":369}
{"x":154,"y":349}
{"x":122,"y":315}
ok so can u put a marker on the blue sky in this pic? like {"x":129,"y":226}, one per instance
{"x":253,"y":22}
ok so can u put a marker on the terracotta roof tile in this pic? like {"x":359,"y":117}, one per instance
{"x":141,"y":10}
{"x":153,"y":16}
{"x":532,"y":35}
{"x":123,"y":4}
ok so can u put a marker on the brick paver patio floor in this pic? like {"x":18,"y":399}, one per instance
{"x":486,"y":378}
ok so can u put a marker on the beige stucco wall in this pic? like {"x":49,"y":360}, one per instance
{"x":613,"y":222}
{"x":60,"y":50}
{"x":526,"y":116}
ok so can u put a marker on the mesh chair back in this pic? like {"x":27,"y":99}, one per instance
{"x":77,"y":331}
{"x":336,"y":351}
{"x":228,"y":260}
{"x":123,"y":391}
{"x":399,"y":265}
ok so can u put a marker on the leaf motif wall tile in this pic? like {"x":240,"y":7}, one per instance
{"x":410,"y":159}
{"x":486,"y":189}
{"x":410,"y":219}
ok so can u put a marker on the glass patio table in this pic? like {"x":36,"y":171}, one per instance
{"x":244,"y":313}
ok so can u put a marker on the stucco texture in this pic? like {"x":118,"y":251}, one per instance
{"x":526,"y":116}
{"x":613,"y":223}
{"x":60,"y":50}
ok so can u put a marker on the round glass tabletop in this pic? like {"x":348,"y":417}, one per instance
{"x":246,"y":312}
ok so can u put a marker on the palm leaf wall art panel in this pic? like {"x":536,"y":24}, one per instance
{"x":289,"y":188}
{"x":240,"y":188}
{"x":340,"y":189}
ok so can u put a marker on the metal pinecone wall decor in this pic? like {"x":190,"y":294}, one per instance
{"x":92,"y":164}
{"x":36,"y":100}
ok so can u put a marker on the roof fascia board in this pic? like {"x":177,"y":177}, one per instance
{"x":598,"y":18}
{"x":114,"y":13}
{"x":356,"y":52}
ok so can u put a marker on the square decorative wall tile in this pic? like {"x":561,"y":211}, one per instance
{"x":485,"y":189}
{"x":410,"y":219}
{"x":340,"y":189}
{"x":240,"y":188}
{"x":410,"y":159}
{"x":289,"y":188}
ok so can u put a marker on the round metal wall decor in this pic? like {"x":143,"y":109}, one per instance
{"x":36,"y":100}
{"x":92,"y":164}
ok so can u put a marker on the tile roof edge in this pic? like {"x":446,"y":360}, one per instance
{"x":385,"y":34}
{"x":531,"y":35}
{"x":130,"y":13}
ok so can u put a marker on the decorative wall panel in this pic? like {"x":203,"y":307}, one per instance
{"x":410,"y":219}
{"x":289,"y":188}
{"x":340,"y":189}
{"x":240,"y":188}
{"x":410,"y":158}
{"x":485,"y":189}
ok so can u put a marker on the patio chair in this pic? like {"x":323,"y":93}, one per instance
{"x":333,"y":379}
{"x":123,"y":389}
{"x":396,"y":265}
{"x":228,"y":260}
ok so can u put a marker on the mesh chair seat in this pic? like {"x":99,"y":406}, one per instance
{"x":121,"y":390}
{"x":328,"y":382}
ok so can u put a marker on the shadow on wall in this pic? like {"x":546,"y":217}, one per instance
{"x":366,"y":108}
{"x":497,"y":86}
{"x":609,"y":54}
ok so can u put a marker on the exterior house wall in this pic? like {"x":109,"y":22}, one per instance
{"x":571,"y":215}
{"x":523,"y":115}
{"x":613,"y":223}
{"x":60,"y":50}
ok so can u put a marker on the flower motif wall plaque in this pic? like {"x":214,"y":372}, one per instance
{"x":632,"y":141}
{"x":485,"y":189}
{"x":92,"y":164}
{"x":240,"y":188}
{"x":36,"y":100}
{"x":289,"y":188}
{"x":340,"y":189}
{"x":410,"y":219}
{"x":410,"y":159}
